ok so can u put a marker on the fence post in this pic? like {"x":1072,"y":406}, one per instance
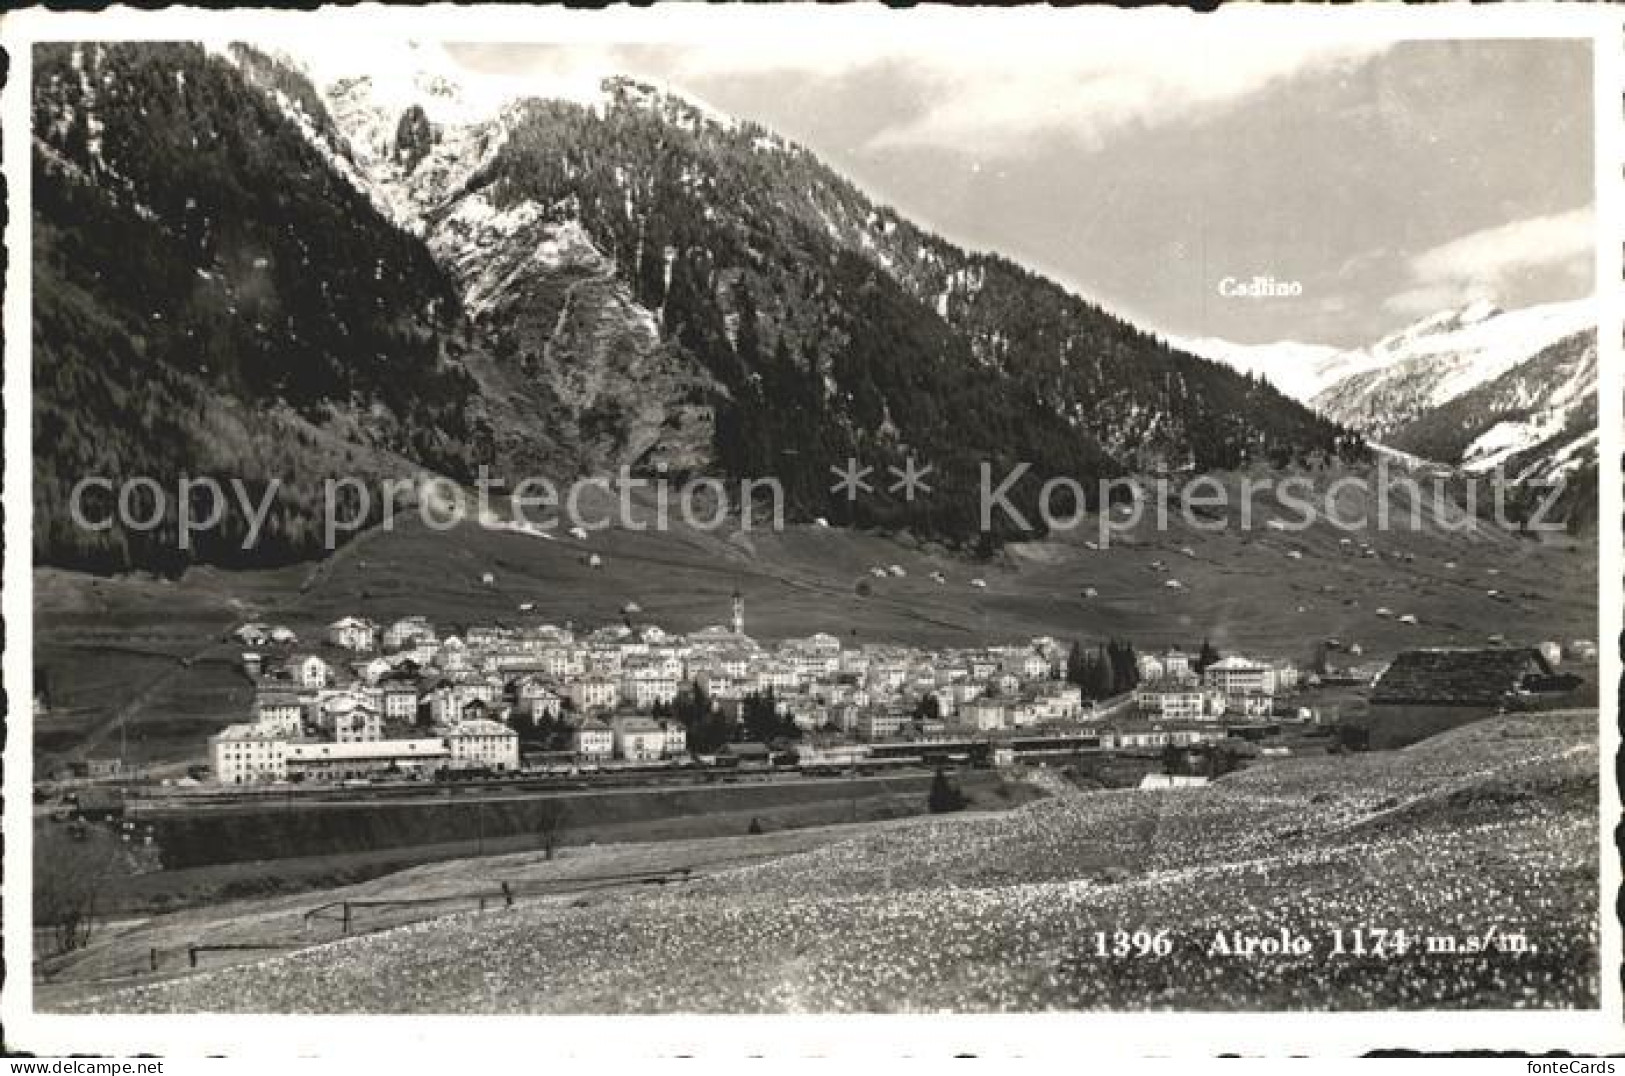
{"x":346,"y":917}
{"x":154,"y":958}
{"x":191,"y":954}
{"x":482,"y":902}
{"x":507,"y":894}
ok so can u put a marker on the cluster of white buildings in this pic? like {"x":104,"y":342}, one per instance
{"x":267,"y":751}
{"x":403,"y":697}
{"x":1171,"y":689}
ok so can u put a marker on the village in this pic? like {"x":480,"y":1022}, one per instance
{"x":410,"y":702}
{"x":413,"y":702}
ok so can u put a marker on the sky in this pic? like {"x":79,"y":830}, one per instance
{"x":1387,"y":180}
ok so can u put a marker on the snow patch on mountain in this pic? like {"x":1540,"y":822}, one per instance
{"x":1298,"y":370}
{"x":408,"y":190}
{"x":1506,"y":439}
{"x":1545,"y":410}
{"x":411,"y":88}
{"x":491,"y":251}
{"x":686,"y":111}
{"x":1446,"y":357}
{"x":1460,"y":350}
{"x":1443,"y":355}
{"x":1569,"y":458}
{"x":1526,"y":385}
{"x":1407,"y":460}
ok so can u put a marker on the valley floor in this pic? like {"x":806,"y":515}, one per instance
{"x":1490,"y":826}
{"x":139,"y":668}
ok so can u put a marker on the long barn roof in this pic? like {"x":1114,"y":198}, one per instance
{"x":1458,"y":677}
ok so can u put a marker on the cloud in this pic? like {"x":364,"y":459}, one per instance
{"x":1485,"y":263}
{"x":967,"y":79}
{"x":1089,"y":94}
{"x":996,"y":83}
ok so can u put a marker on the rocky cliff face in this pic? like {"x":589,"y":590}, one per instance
{"x":574,"y":371}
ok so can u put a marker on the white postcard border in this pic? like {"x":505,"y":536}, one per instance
{"x":420,"y":1040}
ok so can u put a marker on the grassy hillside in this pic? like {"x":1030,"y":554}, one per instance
{"x":1241,"y":588}
{"x":1491,"y":826}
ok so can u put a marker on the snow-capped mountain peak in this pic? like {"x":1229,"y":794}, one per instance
{"x":1474,"y":386}
{"x":1452,"y":351}
{"x":680,"y":110}
{"x":1443,"y":322}
{"x":1445,"y":356}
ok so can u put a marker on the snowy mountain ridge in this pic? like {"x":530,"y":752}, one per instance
{"x":1299,"y":370}
{"x":1443,"y":358}
{"x":1470,"y":345}
{"x":1476,"y":386}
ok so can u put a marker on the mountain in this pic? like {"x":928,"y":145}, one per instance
{"x":1442,"y":358}
{"x":1485,"y":391}
{"x":1298,"y":370}
{"x":1474,"y":388}
{"x":828,"y":325}
{"x":212,"y":299}
{"x":1536,"y":424}
{"x":1548,"y":401}
{"x":404,"y":266}
{"x":1436,"y":359}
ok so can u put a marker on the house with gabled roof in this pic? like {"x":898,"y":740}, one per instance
{"x":1423,"y":692}
{"x":352,"y":633}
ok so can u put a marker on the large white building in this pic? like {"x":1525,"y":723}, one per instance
{"x":346,"y":761}
{"x":447,"y":702}
{"x":357,"y":723}
{"x":983,"y":715}
{"x":452,"y":655}
{"x":310,"y":671}
{"x":1025,"y":663}
{"x":248,"y":754}
{"x":591,"y":693}
{"x":881,"y":723}
{"x":591,"y":740}
{"x":1058,"y":701}
{"x":483,"y":744}
{"x":278,"y":712}
{"x":638,"y":739}
{"x":1236,"y":675}
{"x":536,"y":699}
{"x":408,"y":632}
{"x":773,"y":675}
{"x":351,"y":714}
{"x":1176,"y":665}
{"x":720,"y":684}
{"x":1171,"y":700}
{"x":1251,"y":686}
{"x":556,"y":662}
{"x":400,"y":701}
{"x":646,"y":685}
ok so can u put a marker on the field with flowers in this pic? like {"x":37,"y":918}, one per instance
{"x":1458,"y":873}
